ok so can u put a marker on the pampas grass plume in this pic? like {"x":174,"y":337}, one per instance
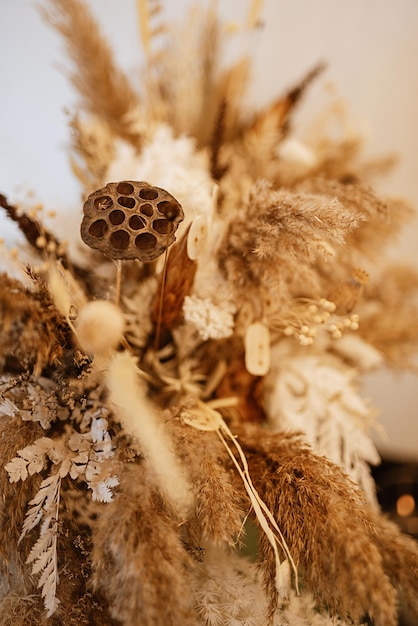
{"x":140,"y":420}
{"x":59,"y":291}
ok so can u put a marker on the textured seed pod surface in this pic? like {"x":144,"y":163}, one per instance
{"x":130,"y":220}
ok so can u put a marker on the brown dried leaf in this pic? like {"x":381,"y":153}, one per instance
{"x":174,"y":285}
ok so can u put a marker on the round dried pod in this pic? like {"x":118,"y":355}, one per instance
{"x":99,"y":326}
{"x":131,"y":220}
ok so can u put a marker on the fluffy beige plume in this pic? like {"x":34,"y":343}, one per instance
{"x":100,"y":326}
{"x":66,"y":293}
{"x":139,"y":562}
{"x":106,"y":91}
{"x":206,"y":418}
{"x":139,"y":419}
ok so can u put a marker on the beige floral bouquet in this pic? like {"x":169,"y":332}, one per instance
{"x":182,"y":438}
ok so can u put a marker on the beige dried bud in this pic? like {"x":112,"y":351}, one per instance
{"x":99,"y":327}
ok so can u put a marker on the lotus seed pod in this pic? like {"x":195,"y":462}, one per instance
{"x":131,"y":220}
{"x":257,"y":349}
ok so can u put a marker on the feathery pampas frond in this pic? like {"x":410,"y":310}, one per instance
{"x":106,"y":91}
{"x":145,"y":411}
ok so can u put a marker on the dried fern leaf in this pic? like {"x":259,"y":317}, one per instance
{"x":43,"y":555}
{"x":15,"y":434}
{"x":316,"y":396}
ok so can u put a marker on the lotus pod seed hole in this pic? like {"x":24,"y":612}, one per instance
{"x":162,"y":227}
{"x":116,"y":217}
{"x":148,"y":193}
{"x":125,"y":188}
{"x":103,"y":203}
{"x":128,"y":203}
{"x":146,"y":242}
{"x":136,"y":222}
{"x":119,"y":240}
{"x":146,"y":209}
{"x":98,"y":229}
{"x":169,"y":209}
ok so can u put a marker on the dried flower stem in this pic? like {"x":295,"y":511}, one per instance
{"x":260,"y":508}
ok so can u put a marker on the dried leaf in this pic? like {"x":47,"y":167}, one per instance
{"x":175,"y":283}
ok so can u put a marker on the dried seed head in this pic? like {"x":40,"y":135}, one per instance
{"x":99,"y":326}
{"x":130,"y":220}
{"x":360,"y":276}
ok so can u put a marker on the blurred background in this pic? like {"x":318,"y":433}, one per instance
{"x":371,"y":51}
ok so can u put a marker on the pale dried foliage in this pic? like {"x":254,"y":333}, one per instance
{"x":105,"y":90}
{"x":316,"y":395}
{"x":14,"y":435}
{"x":188,"y":80}
{"x":275,"y":241}
{"x":220,"y":510}
{"x":338,"y":553}
{"x":138,"y":557}
{"x":92,"y":143}
{"x":31,"y":333}
{"x":390,"y":316}
{"x":133,"y":472}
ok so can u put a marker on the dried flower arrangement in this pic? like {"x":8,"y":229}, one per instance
{"x":189,"y":377}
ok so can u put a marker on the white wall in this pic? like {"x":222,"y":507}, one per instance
{"x":371,"y":47}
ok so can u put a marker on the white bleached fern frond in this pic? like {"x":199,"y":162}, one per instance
{"x":44,"y":553}
{"x":30,"y":460}
{"x":316,"y":395}
{"x":97,"y":472}
{"x":75,"y":455}
{"x":7,"y":407}
{"x":42,"y":503}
